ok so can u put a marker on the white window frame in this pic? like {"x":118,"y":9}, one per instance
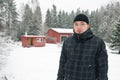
{"x":39,"y":39}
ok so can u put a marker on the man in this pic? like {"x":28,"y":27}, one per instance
{"x":83,"y":55}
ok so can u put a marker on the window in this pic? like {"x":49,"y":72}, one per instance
{"x":63,"y":38}
{"x":39,"y":40}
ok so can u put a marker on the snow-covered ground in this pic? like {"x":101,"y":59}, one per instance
{"x":35,"y":63}
{"x":41,"y":63}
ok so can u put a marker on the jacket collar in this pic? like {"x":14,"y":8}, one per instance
{"x":84,"y":36}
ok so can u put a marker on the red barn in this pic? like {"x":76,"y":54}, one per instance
{"x":31,"y":40}
{"x":57,"y":35}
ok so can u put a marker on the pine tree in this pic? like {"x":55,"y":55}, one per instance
{"x":3,"y":12}
{"x":54,"y":17}
{"x":60,"y":19}
{"x":27,"y":20}
{"x":64,"y":19}
{"x":71,"y":18}
{"x":10,"y":16}
{"x":1,"y":17}
{"x":37,"y":22}
{"x":14,"y":21}
{"x":115,"y":39}
{"x":78,"y":11}
{"x":94,"y":21}
{"x":68,"y":21}
{"x":48,"y":19}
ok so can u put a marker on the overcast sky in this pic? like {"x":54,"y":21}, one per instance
{"x":68,"y":5}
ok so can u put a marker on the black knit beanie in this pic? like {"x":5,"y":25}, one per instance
{"x":81,"y":17}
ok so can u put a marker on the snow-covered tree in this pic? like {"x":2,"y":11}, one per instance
{"x":1,"y":18}
{"x":27,"y":19}
{"x":78,"y":11}
{"x":64,"y":19}
{"x":54,"y":17}
{"x":94,"y":21}
{"x":36,"y":29}
{"x":32,"y":20}
{"x":48,"y":19}
{"x":14,"y":20}
{"x":51,"y":18}
{"x":60,"y":19}
{"x":115,"y":38}
{"x":33,"y":4}
{"x":2,"y":6}
{"x":9,"y":17}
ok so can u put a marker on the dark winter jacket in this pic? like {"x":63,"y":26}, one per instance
{"x":83,"y":57}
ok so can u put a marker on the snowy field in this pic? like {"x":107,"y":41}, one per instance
{"x":41,"y":63}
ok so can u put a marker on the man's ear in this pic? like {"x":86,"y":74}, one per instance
{"x":89,"y":25}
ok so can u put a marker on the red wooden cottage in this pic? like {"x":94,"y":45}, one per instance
{"x":31,"y":40}
{"x":57,"y":35}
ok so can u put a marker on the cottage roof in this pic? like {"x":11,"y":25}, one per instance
{"x":62,"y":30}
{"x":32,"y":36}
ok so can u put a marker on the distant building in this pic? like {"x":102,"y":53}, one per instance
{"x":32,"y":40}
{"x":57,"y":35}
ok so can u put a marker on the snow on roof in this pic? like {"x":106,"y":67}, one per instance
{"x":62,"y":30}
{"x":33,"y":36}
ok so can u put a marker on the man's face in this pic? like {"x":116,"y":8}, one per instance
{"x":80,"y":26}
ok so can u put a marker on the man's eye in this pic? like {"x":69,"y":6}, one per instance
{"x":76,"y":24}
{"x":83,"y":24}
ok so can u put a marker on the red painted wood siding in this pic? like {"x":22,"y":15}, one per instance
{"x":34,"y":41}
{"x":52,"y":33}
{"x":39,"y":44}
